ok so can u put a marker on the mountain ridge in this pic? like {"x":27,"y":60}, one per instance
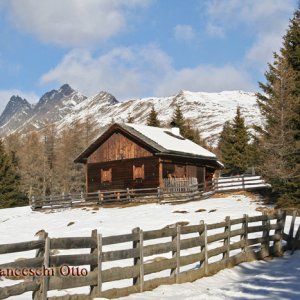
{"x":206,"y":111}
{"x":51,"y":108}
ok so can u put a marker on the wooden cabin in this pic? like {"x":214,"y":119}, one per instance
{"x":139,"y":156}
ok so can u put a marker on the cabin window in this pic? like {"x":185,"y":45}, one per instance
{"x":138,"y":172}
{"x":106,"y":175}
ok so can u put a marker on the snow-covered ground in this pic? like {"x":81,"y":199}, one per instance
{"x":274,"y":280}
{"x":21,"y":224}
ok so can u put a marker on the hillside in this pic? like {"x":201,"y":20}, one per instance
{"x":207,"y":111}
{"x":21,"y":224}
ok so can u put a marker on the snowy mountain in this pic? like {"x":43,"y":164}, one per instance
{"x":52,"y":107}
{"x":15,"y":113}
{"x":207,"y":111}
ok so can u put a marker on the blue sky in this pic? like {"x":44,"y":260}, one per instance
{"x":137,"y":48}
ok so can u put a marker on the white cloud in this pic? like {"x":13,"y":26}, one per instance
{"x":184,"y":33}
{"x":137,"y":72}
{"x":267,"y":19}
{"x":72,"y":23}
{"x":126,"y":72}
{"x":5,"y":95}
{"x":255,"y":12}
{"x":262,"y":50}
{"x":215,"y":30}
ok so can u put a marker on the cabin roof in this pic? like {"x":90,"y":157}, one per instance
{"x":170,"y":141}
{"x":160,"y":140}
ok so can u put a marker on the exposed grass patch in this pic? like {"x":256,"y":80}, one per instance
{"x":181,"y":223}
{"x":265,"y":209}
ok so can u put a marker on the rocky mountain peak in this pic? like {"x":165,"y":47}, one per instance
{"x":16,"y":105}
{"x":65,"y":89}
{"x":107,"y":97}
{"x":206,"y":111}
{"x":16,"y":101}
{"x":55,"y":96}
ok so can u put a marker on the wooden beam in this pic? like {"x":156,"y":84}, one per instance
{"x":160,"y":173}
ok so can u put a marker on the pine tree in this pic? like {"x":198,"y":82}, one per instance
{"x":280,"y":105}
{"x":185,"y":127}
{"x":233,"y":145}
{"x":152,"y":119}
{"x":241,"y":139}
{"x":49,"y":136}
{"x":70,"y":176}
{"x":178,"y":119}
{"x":193,"y":134}
{"x":33,"y":164}
{"x":226,"y":147}
{"x":9,"y":182}
{"x":130,"y":119}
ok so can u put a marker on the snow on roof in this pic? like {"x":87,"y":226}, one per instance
{"x":170,"y":141}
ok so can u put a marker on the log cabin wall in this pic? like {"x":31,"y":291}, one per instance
{"x":121,"y":173}
{"x":118,"y":147}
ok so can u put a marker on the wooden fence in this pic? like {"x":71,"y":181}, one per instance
{"x":186,"y":253}
{"x":189,"y":184}
{"x":174,"y":190}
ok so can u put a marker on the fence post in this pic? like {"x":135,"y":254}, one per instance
{"x":33,"y":203}
{"x":205,"y":249}
{"x":38,"y":294}
{"x":243,"y":182}
{"x":99,"y":258}
{"x":291,"y":231}
{"x":277,"y":246}
{"x":159,"y":194}
{"x":99,"y":197}
{"x":136,"y":260}
{"x":265,"y":246}
{"x":45,"y":282}
{"x":128,"y":194}
{"x":227,"y":239}
{"x":176,"y":254}
{"x":141,"y":262}
{"x":244,"y":236}
{"x":216,"y":184}
{"x":94,"y":250}
{"x":50,"y":200}
{"x":296,"y":241}
{"x":201,"y":235}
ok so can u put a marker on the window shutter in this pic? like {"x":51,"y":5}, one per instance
{"x":138,"y":172}
{"x":106,"y":175}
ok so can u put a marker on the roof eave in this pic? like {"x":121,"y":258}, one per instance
{"x":190,"y":155}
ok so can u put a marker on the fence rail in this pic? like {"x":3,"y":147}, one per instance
{"x":189,"y":253}
{"x":174,"y":190}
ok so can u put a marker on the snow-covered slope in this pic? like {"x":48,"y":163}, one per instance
{"x":20,"y":224}
{"x":276,"y":279}
{"x":15,"y":113}
{"x":207,"y":111}
{"x":52,"y":107}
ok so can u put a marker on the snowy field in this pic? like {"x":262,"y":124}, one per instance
{"x":242,"y":282}
{"x":274,"y":280}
